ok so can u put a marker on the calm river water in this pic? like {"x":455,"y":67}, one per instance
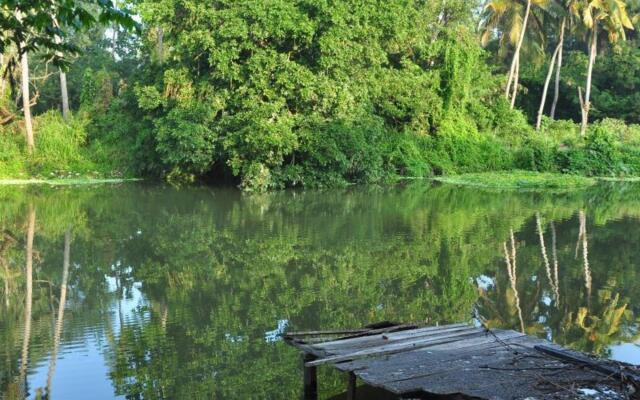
{"x":141,"y":291}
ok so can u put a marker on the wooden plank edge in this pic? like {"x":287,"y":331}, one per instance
{"x":327,"y":333}
{"x":400,"y":349}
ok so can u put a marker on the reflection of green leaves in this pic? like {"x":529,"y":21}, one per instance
{"x":217,"y":270}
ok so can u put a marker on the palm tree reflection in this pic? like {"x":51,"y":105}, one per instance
{"x":586,"y":320}
{"x":510,"y":259}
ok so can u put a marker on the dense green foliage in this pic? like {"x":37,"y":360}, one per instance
{"x":320,"y":93}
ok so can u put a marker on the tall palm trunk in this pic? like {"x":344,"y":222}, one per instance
{"x":26,"y":102}
{"x":516,"y":80}
{"x":545,"y":90}
{"x":586,"y":102}
{"x":26,"y":333}
{"x":556,"y":93}
{"x":516,"y":56}
{"x":60,"y":318}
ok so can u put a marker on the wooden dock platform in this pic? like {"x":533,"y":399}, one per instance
{"x":461,"y":361}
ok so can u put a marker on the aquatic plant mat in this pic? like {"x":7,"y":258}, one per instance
{"x":463,"y":361}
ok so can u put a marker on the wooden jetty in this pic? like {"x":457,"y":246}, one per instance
{"x":461,"y":361}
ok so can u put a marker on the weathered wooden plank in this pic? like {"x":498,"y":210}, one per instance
{"x":323,"y":333}
{"x":506,"y":383}
{"x":435,"y":354}
{"x":350,"y":346}
{"x":413,"y":364}
{"x":379,"y":336}
{"x":458,"y":359}
{"x":490,"y":369}
{"x":398,"y":347}
{"x":306,"y":349}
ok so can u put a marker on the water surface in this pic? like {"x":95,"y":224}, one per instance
{"x":151,"y":292}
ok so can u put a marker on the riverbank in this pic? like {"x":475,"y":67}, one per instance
{"x":63,"y":182}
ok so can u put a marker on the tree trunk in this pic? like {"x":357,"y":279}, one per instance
{"x":26,"y":333}
{"x":65,"y":95}
{"x":586,"y":104}
{"x":516,"y":54}
{"x":26,"y":102}
{"x":60,"y":318}
{"x":515,"y":84}
{"x":556,"y":93}
{"x":543,"y":101}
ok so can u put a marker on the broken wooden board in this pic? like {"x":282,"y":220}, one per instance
{"x":470,"y":361}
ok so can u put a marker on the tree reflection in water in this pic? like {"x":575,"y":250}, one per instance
{"x":171,"y":292}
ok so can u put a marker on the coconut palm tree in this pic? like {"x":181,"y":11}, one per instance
{"x":568,"y":21}
{"x":511,"y":19}
{"x":596,"y":15}
{"x":557,"y":57}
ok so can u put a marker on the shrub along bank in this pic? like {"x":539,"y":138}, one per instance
{"x":367,"y":154}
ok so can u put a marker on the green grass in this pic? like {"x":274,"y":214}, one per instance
{"x":519,"y":180}
{"x":61,"y":155}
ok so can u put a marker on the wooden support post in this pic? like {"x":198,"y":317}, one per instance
{"x":310,"y":379}
{"x":351,"y":386}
